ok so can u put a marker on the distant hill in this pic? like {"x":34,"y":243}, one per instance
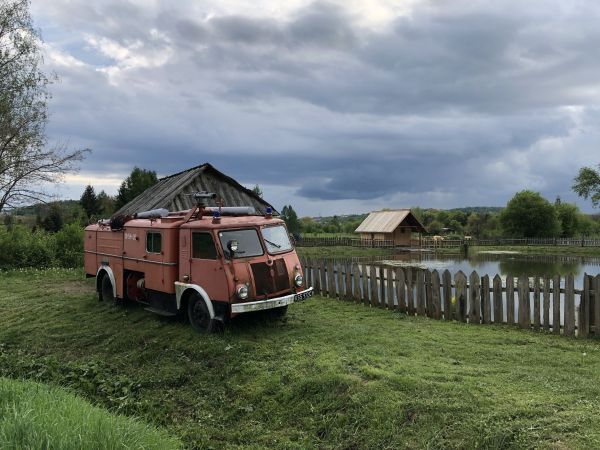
{"x":467,"y":210}
{"x":478,"y":209}
{"x":33,"y":210}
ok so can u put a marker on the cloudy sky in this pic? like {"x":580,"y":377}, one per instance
{"x":334,"y":107}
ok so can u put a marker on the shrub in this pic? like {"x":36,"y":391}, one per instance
{"x":21,"y":247}
{"x":69,"y":246}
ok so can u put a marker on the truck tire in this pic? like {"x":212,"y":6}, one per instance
{"x":198,"y":314}
{"x":106,"y":290}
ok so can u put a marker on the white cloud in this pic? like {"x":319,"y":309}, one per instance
{"x":348,"y":106}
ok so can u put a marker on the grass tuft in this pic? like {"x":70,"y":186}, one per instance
{"x":36,"y":416}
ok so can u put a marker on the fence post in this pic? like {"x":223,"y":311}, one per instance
{"x":428,"y":294}
{"x":447,"y":282}
{"x":339,"y":285}
{"x":374,"y":287}
{"x":309,"y":273}
{"x":317,"y":277}
{"x":420,"y":293}
{"x":556,"y":304}
{"x":498,"y":306}
{"x":349,"y":294}
{"x":546,"y":303}
{"x":474,"y":299}
{"x":365,"y":283}
{"x":584,"y":308}
{"x":435,"y":295}
{"x":536,"y":303}
{"x":523,"y":287}
{"x":569,"y":305}
{"x":330,"y":280}
{"x":381,"y":286}
{"x":356,"y":283}
{"x":597,"y":305}
{"x":401,"y":289}
{"x":485,"y":299}
{"x":390,"y":287}
{"x":510,"y":299}
{"x":410,"y":300}
{"x":460,"y":281}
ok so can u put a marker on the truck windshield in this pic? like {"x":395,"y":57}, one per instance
{"x":248,"y":243}
{"x":276,"y":239}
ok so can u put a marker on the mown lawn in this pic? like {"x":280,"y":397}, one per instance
{"x":334,"y":375}
{"x":342,"y":252}
{"x":540,"y":250}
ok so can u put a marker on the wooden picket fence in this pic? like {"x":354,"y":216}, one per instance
{"x":429,"y":242}
{"x":551,"y":304}
{"x":336,"y":241}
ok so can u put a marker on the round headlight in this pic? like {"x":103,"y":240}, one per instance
{"x":298,"y":280}
{"x":242,"y":292}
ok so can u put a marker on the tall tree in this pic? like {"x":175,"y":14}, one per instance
{"x":528,"y":214}
{"x":89,"y":201}
{"x":257,"y":190}
{"x":291,"y":219}
{"x":107,"y":204}
{"x":587,"y":184}
{"x":51,"y":219}
{"x":27,"y":163}
{"x":568,"y":216}
{"x":137,"y":182}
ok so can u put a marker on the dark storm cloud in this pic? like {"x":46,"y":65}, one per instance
{"x":451,"y":96}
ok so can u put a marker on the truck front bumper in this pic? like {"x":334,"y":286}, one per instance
{"x":271,"y":303}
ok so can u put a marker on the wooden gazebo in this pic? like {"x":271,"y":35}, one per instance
{"x":397,"y":225}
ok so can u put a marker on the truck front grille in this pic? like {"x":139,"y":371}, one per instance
{"x":270,"y":279}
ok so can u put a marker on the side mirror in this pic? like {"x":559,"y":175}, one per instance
{"x":232,"y":246}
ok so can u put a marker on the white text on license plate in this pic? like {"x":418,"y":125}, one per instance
{"x":303,"y":296}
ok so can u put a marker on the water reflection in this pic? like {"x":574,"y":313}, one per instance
{"x":537,"y":268}
{"x":494,"y":263}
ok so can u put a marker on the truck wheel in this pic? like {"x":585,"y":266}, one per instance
{"x":199,"y":315}
{"x":278,"y":313}
{"x":106,"y":290}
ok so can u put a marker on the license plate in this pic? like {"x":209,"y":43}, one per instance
{"x":303,"y":296}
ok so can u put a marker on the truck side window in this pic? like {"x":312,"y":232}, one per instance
{"x":203,"y":246}
{"x":153,"y":242}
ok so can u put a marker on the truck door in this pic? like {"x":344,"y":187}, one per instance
{"x":207,"y":268}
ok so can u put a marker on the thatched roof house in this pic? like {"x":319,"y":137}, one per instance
{"x":395,"y":225}
{"x":172,"y":192}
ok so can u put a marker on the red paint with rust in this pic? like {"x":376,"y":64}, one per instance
{"x":127,"y":254}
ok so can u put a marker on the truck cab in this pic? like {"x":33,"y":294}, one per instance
{"x":205,"y":264}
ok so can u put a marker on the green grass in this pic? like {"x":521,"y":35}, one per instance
{"x":36,"y":416}
{"x":341,"y":252}
{"x":334,"y":375}
{"x":540,"y":250}
{"x":332,"y":235}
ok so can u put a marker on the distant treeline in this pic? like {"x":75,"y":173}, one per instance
{"x":527,"y":214}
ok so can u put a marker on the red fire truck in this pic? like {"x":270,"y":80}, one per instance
{"x":209,"y":263}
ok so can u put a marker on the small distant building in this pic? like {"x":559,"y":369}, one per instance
{"x":396,"y":225}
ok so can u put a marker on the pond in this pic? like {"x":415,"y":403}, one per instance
{"x":489,"y":263}
{"x":501,"y":263}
